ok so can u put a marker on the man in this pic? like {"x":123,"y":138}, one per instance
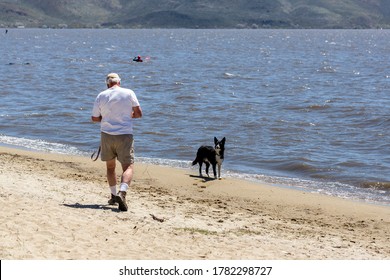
{"x":115,"y":108}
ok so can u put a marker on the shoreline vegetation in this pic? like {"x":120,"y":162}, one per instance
{"x":306,"y":14}
{"x":55,"y":207}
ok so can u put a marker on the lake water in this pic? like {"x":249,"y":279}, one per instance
{"x":307,"y":109}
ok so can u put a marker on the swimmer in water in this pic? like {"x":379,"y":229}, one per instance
{"x":137,"y":59}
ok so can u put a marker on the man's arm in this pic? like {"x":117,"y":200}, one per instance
{"x":137,"y":112}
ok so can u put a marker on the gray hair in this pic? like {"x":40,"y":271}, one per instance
{"x":113,"y":78}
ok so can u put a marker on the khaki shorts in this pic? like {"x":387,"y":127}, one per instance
{"x":117,"y":146}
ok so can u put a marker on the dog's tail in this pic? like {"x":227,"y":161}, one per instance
{"x":195,"y":161}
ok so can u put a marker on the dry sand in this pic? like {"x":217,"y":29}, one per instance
{"x":55,"y":207}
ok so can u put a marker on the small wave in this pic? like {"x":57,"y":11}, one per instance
{"x":318,"y":107}
{"x":166,"y":162}
{"x":229,"y":75}
{"x":35,"y":115}
{"x":297,"y":167}
{"x":251,"y":125}
{"x":313,"y":107}
{"x":376,"y":185}
{"x":184,"y":97}
{"x":351,"y":163}
{"x":302,"y":88}
{"x":39,"y":145}
{"x":65,"y":114}
{"x":326,"y":69}
{"x":155,"y":133}
{"x":326,"y":187}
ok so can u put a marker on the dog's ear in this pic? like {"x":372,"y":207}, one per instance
{"x":223,"y":140}
{"x":215,"y":140}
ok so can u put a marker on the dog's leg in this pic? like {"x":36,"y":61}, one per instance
{"x":207,"y":169}
{"x":214,"y":171}
{"x":200,"y":168}
{"x":219,"y":171}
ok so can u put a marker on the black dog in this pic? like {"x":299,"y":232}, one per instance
{"x":210,"y":155}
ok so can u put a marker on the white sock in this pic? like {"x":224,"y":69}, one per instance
{"x":124,"y":187}
{"x":113,"y":189}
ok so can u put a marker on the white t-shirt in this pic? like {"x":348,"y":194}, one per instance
{"x":115,"y":106}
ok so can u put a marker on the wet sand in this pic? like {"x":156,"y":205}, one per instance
{"x":55,"y":207}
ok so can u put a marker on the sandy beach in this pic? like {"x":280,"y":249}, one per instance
{"x":55,"y":207}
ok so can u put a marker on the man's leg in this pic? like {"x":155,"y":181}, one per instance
{"x":126,"y":158}
{"x":111,"y":175}
{"x":111,"y":179}
{"x":127,"y":176}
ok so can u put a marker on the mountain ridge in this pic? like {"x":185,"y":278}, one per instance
{"x":195,"y":13}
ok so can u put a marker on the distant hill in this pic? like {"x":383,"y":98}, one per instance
{"x":195,"y":13}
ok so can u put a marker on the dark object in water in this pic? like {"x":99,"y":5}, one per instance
{"x":137,"y":59}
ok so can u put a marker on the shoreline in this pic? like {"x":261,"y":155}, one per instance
{"x":55,"y":207}
{"x":278,"y":181}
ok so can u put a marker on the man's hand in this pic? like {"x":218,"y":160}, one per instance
{"x":137,"y":112}
{"x":96,"y":119}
